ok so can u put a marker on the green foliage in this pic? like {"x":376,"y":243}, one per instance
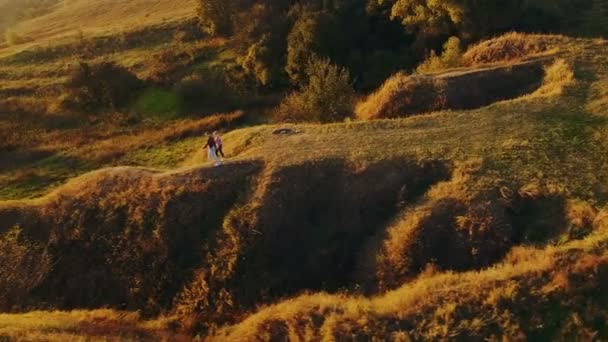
{"x":212,"y":90}
{"x":158,"y":102}
{"x":260,"y":40}
{"x":428,"y":15}
{"x":328,"y":96}
{"x":475,"y":19}
{"x":260,"y":62}
{"x":101,"y":86}
{"x":450,"y":58}
{"x":312,"y":34}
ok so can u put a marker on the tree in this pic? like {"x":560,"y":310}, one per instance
{"x":450,"y":58}
{"x":103,"y":85}
{"x":216,"y":15}
{"x":328,"y":95}
{"x":260,"y":39}
{"x":260,"y":62}
{"x":313,"y":33}
{"x":474,"y":19}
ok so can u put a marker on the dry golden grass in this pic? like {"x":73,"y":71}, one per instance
{"x":480,"y":304}
{"x":303,"y":201}
{"x":403,"y":95}
{"x":598,"y":98}
{"x":512,"y":47}
{"x":44,"y":158}
{"x":80,"y":325}
{"x":445,"y":85}
{"x":559,"y":76}
{"x":105,"y":18}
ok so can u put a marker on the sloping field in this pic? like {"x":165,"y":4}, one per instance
{"x":446,"y":225}
{"x":73,"y":17}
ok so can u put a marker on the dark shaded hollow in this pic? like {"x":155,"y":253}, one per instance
{"x":475,"y":89}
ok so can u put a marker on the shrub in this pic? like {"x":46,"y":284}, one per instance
{"x":260,"y":39}
{"x":507,"y":48}
{"x":327,"y":97}
{"x":101,"y":86}
{"x":403,"y":95}
{"x":166,"y":64}
{"x":450,"y":58}
{"x":312,"y":34}
{"x":260,"y":62}
{"x":211,"y":91}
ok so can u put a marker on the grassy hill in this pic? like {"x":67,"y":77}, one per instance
{"x":42,"y":144}
{"x":482,"y":223}
{"x":66,"y":18}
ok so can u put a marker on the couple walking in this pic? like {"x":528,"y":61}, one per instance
{"x":214,"y":148}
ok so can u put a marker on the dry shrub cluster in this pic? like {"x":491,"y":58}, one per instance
{"x":451,"y":57}
{"x":327,"y":96}
{"x":165,"y":65}
{"x":512,"y":47}
{"x":100,"y":86}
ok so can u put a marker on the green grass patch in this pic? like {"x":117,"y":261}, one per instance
{"x":158,"y":103}
{"x":168,"y":155}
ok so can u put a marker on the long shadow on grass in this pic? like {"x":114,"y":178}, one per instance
{"x":127,"y":237}
{"x":304,"y":230}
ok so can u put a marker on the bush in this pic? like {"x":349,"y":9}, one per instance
{"x":261,"y":63}
{"x":211,"y":91}
{"x":507,"y":48}
{"x":313,"y":33}
{"x":327,"y":97}
{"x":450,"y":58}
{"x":166,"y":65}
{"x":403,"y":95}
{"x":101,"y":86}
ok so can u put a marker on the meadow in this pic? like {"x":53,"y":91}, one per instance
{"x":468,"y":200}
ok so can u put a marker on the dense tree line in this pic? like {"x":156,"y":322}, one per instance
{"x":371,"y":38}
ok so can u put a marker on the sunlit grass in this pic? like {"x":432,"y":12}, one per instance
{"x":80,"y":325}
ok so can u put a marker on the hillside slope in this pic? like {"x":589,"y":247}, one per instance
{"x":72,"y":17}
{"x":444,"y":225}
